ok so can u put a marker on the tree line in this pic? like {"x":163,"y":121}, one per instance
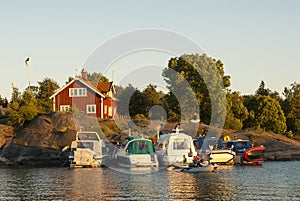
{"x":189,"y":78}
{"x":264,"y":110}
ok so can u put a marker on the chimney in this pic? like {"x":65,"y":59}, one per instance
{"x":84,"y":75}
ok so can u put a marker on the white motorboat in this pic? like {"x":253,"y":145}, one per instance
{"x":86,"y":150}
{"x":174,"y":147}
{"x":136,"y":151}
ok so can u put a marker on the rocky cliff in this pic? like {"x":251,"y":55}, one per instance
{"x":39,"y":143}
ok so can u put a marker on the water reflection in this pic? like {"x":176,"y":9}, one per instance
{"x":272,"y":181}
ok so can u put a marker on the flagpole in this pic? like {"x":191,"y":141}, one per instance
{"x":27,"y":65}
{"x":28,"y":76}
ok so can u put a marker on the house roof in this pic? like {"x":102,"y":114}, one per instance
{"x":98,"y":87}
{"x":102,"y":87}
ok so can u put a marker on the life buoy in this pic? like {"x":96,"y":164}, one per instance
{"x":226,"y":138}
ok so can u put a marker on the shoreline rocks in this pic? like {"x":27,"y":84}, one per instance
{"x":40,"y":143}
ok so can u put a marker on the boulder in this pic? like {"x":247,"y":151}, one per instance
{"x":16,"y":154}
{"x":40,"y":142}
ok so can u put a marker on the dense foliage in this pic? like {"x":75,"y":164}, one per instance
{"x":201,"y":77}
{"x":236,"y":111}
{"x":264,"y":110}
{"x":265,"y":113}
{"x":291,"y":108}
{"x":33,"y":101}
{"x":191,"y":80}
{"x":3,"y":102}
{"x":22,"y":109}
{"x":46,"y":89}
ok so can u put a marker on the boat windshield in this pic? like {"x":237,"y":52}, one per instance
{"x":243,"y":143}
{"x":180,"y":144}
{"x":86,"y":145}
{"x":87,"y":136}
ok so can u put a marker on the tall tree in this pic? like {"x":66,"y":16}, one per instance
{"x":264,"y":113}
{"x":15,"y":94}
{"x":152,"y":98}
{"x":205,"y":79}
{"x":3,"y":102}
{"x":123,"y":99}
{"x":291,"y":107}
{"x":262,"y":90}
{"x":236,"y":111}
{"x":22,"y":109}
{"x":138,"y":105}
{"x":46,"y":88}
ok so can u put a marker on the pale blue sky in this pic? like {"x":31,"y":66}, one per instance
{"x":256,"y":40}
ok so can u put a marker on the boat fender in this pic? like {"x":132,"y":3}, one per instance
{"x":65,"y":148}
{"x":226,"y":138}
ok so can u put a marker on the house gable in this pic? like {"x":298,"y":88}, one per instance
{"x":92,"y":98}
{"x":83,"y":82}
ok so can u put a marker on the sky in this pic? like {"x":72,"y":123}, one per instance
{"x":256,"y":40}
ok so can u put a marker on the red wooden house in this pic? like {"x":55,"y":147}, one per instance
{"x":92,"y":98}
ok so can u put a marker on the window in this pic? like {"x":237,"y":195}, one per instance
{"x":91,"y":109}
{"x":77,"y":92}
{"x":180,"y":144}
{"x":105,"y":109}
{"x":64,"y":108}
{"x":110,"y":111}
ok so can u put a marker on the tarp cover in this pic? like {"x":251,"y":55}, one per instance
{"x":140,"y":147}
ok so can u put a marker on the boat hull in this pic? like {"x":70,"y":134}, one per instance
{"x":254,"y":155}
{"x":137,"y":160}
{"x":168,"y":159}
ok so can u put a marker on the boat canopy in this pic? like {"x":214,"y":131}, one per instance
{"x":239,"y":145}
{"x":208,"y":143}
{"x":140,"y":146}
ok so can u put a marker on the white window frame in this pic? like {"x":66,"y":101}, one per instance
{"x":64,"y":108}
{"x":91,"y":109}
{"x":77,"y":92}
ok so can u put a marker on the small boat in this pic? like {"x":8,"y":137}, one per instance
{"x":173,"y":147}
{"x":180,"y":165}
{"x":246,"y":153}
{"x":86,"y":150}
{"x":254,"y":155}
{"x":136,"y":151}
{"x":207,"y":168}
{"x":222,"y":156}
{"x":215,"y":150}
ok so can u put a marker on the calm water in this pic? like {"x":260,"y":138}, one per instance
{"x":272,"y":181}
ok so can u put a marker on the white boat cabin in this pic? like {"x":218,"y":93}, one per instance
{"x":173,"y":147}
{"x":86,"y":150}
